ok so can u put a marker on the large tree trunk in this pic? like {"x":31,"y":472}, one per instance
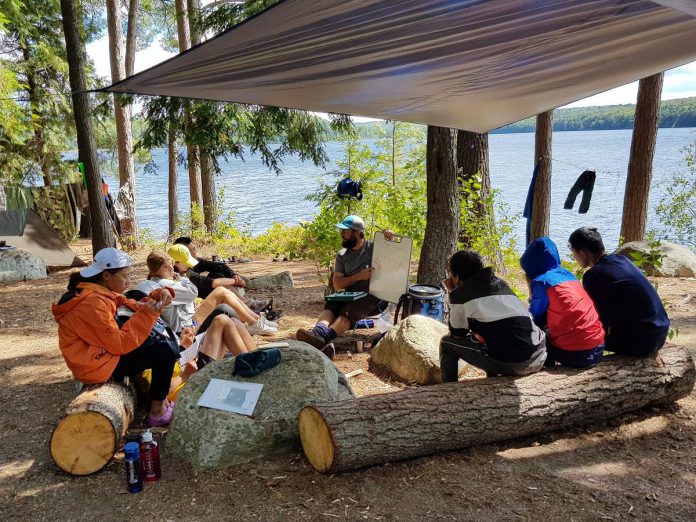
{"x":371,"y":430}
{"x":208,"y":188}
{"x":193,"y":156}
{"x":442,"y":224}
{"x":472,"y":159}
{"x":36,"y":119}
{"x":541,"y":212}
{"x":124,"y":136}
{"x":88,"y":436}
{"x":132,"y":36}
{"x":635,"y":209}
{"x":102,"y":231}
{"x":173,"y":181}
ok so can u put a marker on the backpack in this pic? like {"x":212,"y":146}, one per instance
{"x":347,"y":188}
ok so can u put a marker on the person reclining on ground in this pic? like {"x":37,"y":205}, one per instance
{"x":182,"y":312}
{"x":96,"y":348}
{"x":221,"y":337}
{"x":490,"y":327}
{"x":352,"y":272}
{"x":634,"y":319}
{"x":193,"y":267}
{"x":559,"y":304}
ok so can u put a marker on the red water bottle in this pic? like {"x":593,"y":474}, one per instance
{"x":150,"y":458}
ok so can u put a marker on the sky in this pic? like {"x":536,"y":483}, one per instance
{"x":679,"y":82}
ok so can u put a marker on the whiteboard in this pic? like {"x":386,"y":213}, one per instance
{"x":391,"y":261}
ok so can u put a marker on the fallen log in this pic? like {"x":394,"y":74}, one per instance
{"x":88,"y":436}
{"x":372,"y":430}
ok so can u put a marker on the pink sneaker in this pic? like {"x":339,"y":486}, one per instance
{"x":164,"y":419}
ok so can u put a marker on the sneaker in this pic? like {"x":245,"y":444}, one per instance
{"x":272,"y":315}
{"x":259,"y":305}
{"x":311,"y":336}
{"x":260,"y":327}
{"x":268,"y":321}
{"x":164,"y":419}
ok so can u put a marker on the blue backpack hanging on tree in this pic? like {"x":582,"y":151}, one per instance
{"x":347,"y":188}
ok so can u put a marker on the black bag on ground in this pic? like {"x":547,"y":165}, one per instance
{"x":427,"y":300}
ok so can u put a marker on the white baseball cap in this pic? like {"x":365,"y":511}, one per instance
{"x":106,"y":259}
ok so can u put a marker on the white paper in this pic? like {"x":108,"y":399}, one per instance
{"x":232,"y":396}
{"x":391,"y":263}
{"x":192,"y":351}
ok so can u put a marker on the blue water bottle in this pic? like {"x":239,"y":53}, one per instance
{"x":134,"y":476}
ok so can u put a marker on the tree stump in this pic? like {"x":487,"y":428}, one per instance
{"x":372,"y":430}
{"x":88,"y":436}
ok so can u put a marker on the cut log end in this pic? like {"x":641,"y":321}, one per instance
{"x":83,"y":443}
{"x":316,"y":439}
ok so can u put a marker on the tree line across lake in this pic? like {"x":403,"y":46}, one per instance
{"x":673,"y":113}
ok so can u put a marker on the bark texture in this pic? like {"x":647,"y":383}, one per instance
{"x":124,"y":134}
{"x":173,"y":192}
{"x":442,"y":225}
{"x":541,"y":213}
{"x":102,"y":230}
{"x":381,"y":428}
{"x":472,"y":159}
{"x":208,"y":190}
{"x":88,"y":436}
{"x":635,"y":209}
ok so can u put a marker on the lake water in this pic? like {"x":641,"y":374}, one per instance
{"x":259,"y":197}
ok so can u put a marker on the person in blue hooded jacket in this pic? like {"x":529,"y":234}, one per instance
{"x":560,"y":304}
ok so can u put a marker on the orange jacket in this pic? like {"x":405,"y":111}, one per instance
{"x":89,"y":336}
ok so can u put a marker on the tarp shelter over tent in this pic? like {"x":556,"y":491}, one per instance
{"x":472,"y":64}
{"x":25,"y":229}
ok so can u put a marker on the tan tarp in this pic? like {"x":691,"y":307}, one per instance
{"x":471,"y":64}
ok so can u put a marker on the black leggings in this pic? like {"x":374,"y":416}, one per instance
{"x":221,"y":309}
{"x":157,"y":356}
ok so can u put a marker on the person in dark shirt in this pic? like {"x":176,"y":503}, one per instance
{"x":352,"y":272}
{"x":490,"y":327}
{"x":631,"y":312}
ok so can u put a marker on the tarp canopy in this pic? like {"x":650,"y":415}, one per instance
{"x":471,"y":64}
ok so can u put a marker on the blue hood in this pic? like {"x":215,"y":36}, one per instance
{"x":540,"y":256}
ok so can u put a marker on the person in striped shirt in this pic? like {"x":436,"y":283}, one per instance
{"x":490,"y":327}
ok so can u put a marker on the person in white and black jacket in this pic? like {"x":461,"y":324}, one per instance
{"x":490,"y":327}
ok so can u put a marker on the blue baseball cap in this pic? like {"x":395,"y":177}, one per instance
{"x":352,"y":223}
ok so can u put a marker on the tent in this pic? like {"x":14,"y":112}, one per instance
{"x":25,"y":229}
{"x":471,"y":64}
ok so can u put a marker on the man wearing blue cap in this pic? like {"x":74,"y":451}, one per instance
{"x":352,"y":272}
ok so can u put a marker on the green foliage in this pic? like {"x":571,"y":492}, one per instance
{"x":677,"y":210}
{"x":651,"y":261}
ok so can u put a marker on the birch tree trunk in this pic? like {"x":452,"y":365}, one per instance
{"x":541,"y":213}
{"x":635,"y":209}
{"x":102,"y":231}
{"x":442,"y":224}
{"x":124,"y":135}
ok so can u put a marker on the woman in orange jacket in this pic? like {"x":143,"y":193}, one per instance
{"x":95,"y":348}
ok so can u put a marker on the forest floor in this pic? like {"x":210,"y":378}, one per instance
{"x":639,"y":466}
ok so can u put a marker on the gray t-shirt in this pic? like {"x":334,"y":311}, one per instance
{"x":350,"y":262}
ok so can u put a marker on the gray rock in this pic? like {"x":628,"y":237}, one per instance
{"x":18,"y":264}
{"x":411,"y":350}
{"x":212,"y":439}
{"x":678,"y":261}
{"x":279,"y":280}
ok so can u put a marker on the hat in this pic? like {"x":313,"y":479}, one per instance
{"x":106,"y":259}
{"x":352,"y":223}
{"x":181,"y":254}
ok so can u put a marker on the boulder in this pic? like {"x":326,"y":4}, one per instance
{"x":17,"y":264}
{"x":212,"y":439}
{"x":411,"y":350}
{"x":677,"y":260}
{"x":279,"y":280}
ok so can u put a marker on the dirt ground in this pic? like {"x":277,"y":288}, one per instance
{"x":639,"y":466}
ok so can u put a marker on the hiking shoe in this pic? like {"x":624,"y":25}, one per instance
{"x":260,"y":327}
{"x":259,"y":305}
{"x":164,"y":419}
{"x":272,"y":315}
{"x":311,"y":336}
{"x":267,"y":320}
